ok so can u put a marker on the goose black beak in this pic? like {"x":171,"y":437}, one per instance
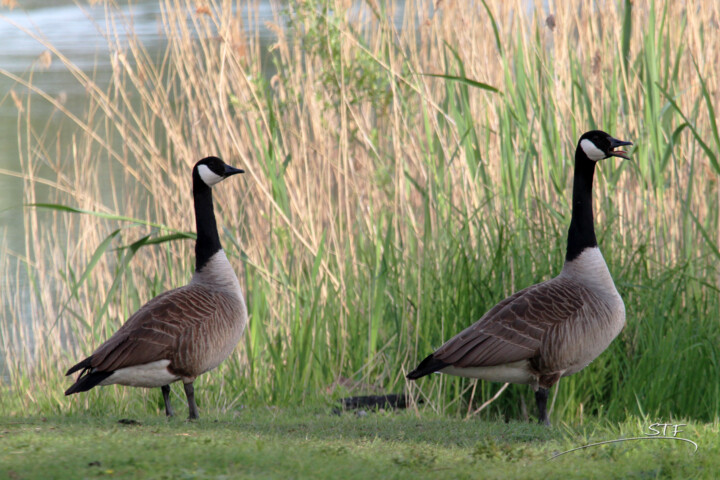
{"x":232,"y":170}
{"x":615,"y":143}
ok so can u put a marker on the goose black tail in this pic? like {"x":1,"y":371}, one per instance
{"x":426,"y":367}
{"x":87,"y":379}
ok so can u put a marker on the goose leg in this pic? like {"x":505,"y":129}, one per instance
{"x":541,"y":396}
{"x":166,"y":397}
{"x":192,"y":407}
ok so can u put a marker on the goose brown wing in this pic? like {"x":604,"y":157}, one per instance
{"x":154,"y":332}
{"x":513,"y":330}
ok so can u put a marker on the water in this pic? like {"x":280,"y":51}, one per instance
{"x":73,"y":32}
{"x":78,"y":33}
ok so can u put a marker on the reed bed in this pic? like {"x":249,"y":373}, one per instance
{"x":402,"y":178}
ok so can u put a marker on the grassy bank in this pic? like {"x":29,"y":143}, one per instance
{"x":280,"y":443}
{"x":401,"y":180}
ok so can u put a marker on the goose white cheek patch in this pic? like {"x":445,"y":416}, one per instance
{"x":208,"y":176}
{"x":592,"y":151}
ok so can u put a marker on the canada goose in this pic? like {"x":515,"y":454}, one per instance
{"x":555,"y":328}
{"x":185,"y":332}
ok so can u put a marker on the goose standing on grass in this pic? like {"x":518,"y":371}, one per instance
{"x":555,"y":328}
{"x":182,"y":333}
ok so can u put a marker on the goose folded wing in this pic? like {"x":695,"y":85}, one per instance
{"x":154,"y":332}
{"x":514,"y":329}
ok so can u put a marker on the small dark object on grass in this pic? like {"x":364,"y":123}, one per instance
{"x":393,"y":400}
{"x":128,"y":421}
{"x":96,"y":463}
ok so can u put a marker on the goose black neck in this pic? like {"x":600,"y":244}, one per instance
{"x":208,"y":241}
{"x":582,"y":229}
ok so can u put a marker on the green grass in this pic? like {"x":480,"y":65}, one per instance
{"x":391,"y":199}
{"x":315,"y":443}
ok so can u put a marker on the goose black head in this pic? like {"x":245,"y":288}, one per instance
{"x":598,"y":145}
{"x":212,"y":170}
